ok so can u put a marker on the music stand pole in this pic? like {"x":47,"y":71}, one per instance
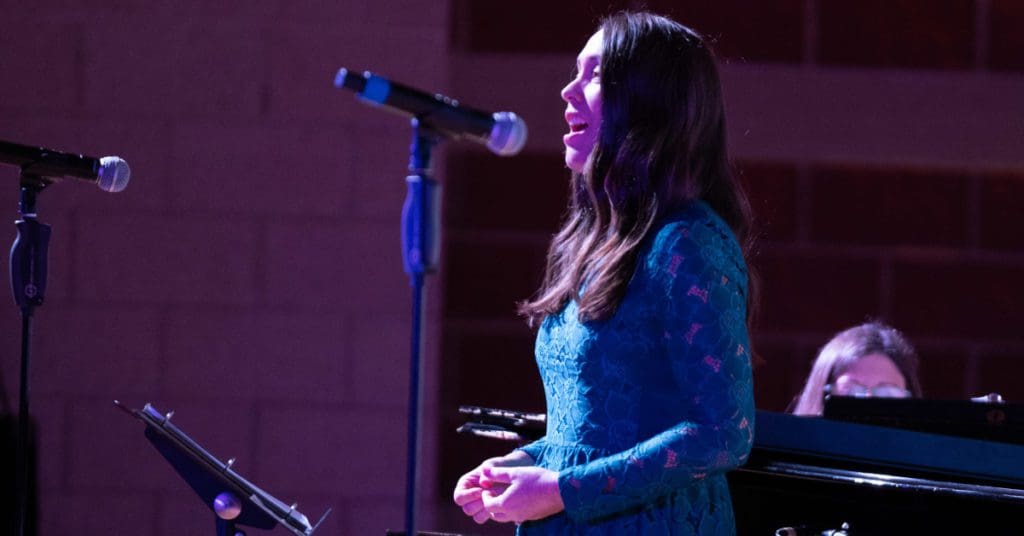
{"x":28,"y":284}
{"x":419,"y":256}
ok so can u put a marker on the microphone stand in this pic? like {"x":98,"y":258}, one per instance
{"x":28,"y":283}
{"x":420,"y":237}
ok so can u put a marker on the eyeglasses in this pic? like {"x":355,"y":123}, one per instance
{"x":854,"y":389}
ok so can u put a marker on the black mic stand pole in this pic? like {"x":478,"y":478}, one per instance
{"x":420,"y":227}
{"x":28,"y":283}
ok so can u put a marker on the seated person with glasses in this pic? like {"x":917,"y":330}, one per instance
{"x":871,"y":359}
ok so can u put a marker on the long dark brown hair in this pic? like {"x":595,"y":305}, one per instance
{"x":661,"y":145}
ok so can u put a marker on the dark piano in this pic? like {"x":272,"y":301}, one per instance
{"x":815,"y":474}
{"x":934,"y":468}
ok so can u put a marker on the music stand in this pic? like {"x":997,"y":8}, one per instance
{"x":234,"y":500}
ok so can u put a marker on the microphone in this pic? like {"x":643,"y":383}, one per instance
{"x":504,"y":133}
{"x":110,"y":173}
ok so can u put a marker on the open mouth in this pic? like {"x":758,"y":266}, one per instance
{"x":577,"y":127}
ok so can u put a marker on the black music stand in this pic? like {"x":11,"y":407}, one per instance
{"x":233,"y":499}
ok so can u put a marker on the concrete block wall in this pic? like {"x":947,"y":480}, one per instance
{"x":249,"y":278}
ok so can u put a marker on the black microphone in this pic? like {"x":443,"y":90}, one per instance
{"x":503,"y":133}
{"x":110,"y":173}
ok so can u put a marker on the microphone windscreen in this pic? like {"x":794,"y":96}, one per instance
{"x":114,"y":174}
{"x":508,"y":135}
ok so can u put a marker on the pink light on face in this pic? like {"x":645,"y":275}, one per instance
{"x":582,"y":96}
{"x":868,"y":372}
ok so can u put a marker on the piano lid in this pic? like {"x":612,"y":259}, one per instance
{"x":846,"y":442}
{"x":978,"y":419}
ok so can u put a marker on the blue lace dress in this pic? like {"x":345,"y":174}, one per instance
{"x":648,"y":409}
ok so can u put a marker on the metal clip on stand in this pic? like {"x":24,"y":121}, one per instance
{"x":28,"y":283}
{"x":420,"y":226}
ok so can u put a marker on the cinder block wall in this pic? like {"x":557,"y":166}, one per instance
{"x":249,"y":278}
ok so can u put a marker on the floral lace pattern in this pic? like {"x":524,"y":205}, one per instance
{"x":649,"y":408}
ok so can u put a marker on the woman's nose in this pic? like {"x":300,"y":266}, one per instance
{"x":569,"y":92}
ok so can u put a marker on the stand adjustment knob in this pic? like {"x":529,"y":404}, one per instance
{"x":227,"y":506}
